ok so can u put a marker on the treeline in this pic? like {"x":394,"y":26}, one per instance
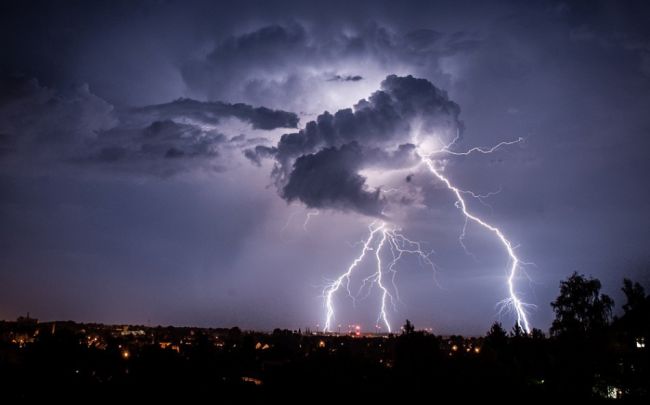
{"x":589,"y":355}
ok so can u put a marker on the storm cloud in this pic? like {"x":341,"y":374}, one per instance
{"x":78,"y":127}
{"x":330,"y":179}
{"x":304,"y":69}
{"x":320,"y":164}
{"x":209,"y":113}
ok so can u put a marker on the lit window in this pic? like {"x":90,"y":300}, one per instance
{"x":614,"y":392}
{"x":640,"y":343}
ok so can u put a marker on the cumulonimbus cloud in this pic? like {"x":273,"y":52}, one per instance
{"x":307,"y":70}
{"x":320,"y":165}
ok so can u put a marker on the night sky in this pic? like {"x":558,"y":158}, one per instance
{"x":216,"y":163}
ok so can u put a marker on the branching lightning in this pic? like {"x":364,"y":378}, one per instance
{"x":334,"y":286}
{"x":478,"y":149}
{"x":518,"y":305}
{"x":384,"y":238}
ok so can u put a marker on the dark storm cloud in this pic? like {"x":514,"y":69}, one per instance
{"x":259,"y":152}
{"x":386,"y":119}
{"x":329,"y":179}
{"x":77,"y":126}
{"x":33,"y":114}
{"x":279,"y":64}
{"x":212,"y":112}
{"x":162,"y":148}
{"x":339,"y":78}
{"x":377,"y":132}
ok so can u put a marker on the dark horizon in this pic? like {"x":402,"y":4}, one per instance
{"x":588,"y":355}
{"x":617,"y":311}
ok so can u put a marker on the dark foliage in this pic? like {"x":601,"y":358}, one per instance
{"x":588,"y":357}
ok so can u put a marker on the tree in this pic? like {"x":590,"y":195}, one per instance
{"x":497,"y":337}
{"x":408,"y":328}
{"x":517,"y":332}
{"x":580,"y":309}
{"x":634,"y":330}
{"x":635,"y":295}
{"x":537,"y":334}
{"x":636,"y":316}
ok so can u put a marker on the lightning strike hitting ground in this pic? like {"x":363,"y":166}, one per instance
{"x":384,"y":292}
{"x":333,"y":287}
{"x":517,"y":304}
{"x":381,"y":235}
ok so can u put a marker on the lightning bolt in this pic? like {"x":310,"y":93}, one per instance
{"x":518,"y":305}
{"x":477,"y":149}
{"x":384,"y":294}
{"x":382,"y":235}
{"x":308,"y":218}
{"x":333,"y":287}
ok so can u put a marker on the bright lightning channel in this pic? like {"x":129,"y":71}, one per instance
{"x":399,"y":245}
{"x":518,"y":305}
{"x":334,"y":286}
{"x":380,"y":236}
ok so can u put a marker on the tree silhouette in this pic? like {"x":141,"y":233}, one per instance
{"x":635,"y":295}
{"x":634,"y":333}
{"x":497,"y":337}
{"x":408,"y":328}
{"x":537,"y":334}
{"x":580,"y":309}
{"x":636,"y":316}
{"x":517,"y":331}
{"x":580,"y":329}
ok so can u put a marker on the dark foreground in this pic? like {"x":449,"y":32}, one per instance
{"x":588,"y":357}
{"x":94,"y":361}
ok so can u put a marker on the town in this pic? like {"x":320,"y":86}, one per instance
{"x":588,"y":355}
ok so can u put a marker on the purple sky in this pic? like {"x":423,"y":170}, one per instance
{"x":145,"y":178}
